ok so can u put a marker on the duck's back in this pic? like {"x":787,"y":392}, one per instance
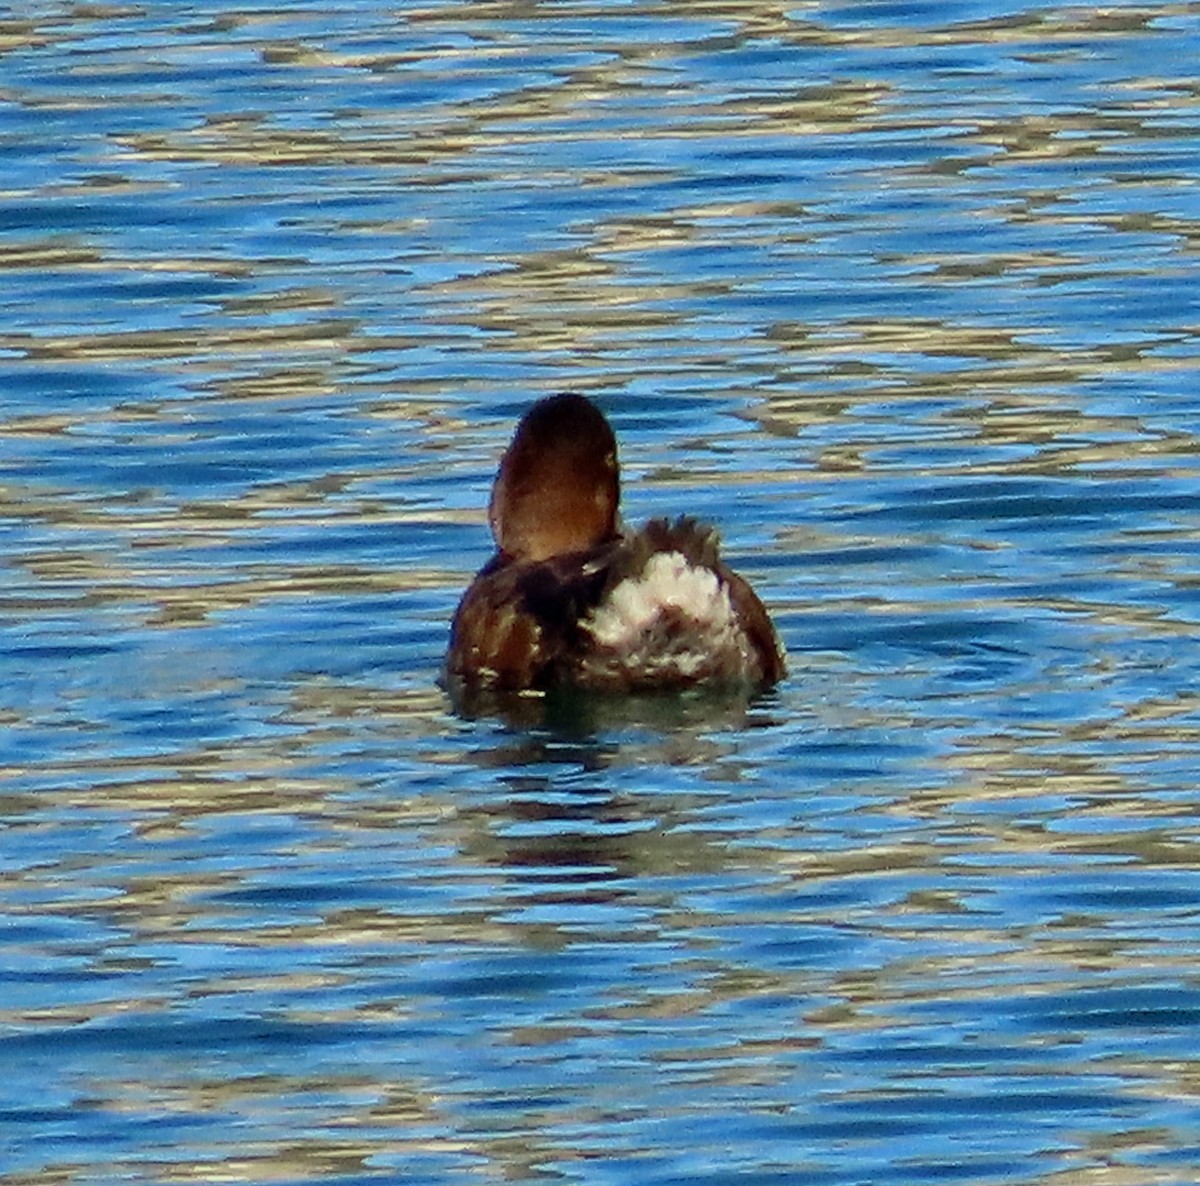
{"x":658,"y":609}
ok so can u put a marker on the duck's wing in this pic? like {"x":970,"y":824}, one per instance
{"x":518,"y":625}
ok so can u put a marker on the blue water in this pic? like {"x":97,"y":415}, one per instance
{"x":903,"y":297}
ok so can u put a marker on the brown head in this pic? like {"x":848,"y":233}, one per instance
{"x":558,"y":486}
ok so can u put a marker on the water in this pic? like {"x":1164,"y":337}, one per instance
{"x":902,"y":296}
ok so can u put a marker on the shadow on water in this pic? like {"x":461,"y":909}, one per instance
{"x":574,"y":715}
{"x":551,"y":753}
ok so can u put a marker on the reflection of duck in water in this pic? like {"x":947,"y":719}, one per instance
{"x":568,"y":600}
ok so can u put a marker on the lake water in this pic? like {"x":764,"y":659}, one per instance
{"x":904,"y":297}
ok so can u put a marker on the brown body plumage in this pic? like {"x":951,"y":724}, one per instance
{"x":569,"y":600}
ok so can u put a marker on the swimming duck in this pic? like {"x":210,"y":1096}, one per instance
{"x":570,"y":600}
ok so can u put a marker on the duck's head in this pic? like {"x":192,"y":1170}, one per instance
{"x":558,"y":486}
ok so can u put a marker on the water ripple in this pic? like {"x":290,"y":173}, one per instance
{"x":898,"y":295}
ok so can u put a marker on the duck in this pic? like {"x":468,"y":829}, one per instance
{"x":570,"y":599}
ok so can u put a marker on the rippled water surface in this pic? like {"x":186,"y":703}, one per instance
{"x":904,"y":297}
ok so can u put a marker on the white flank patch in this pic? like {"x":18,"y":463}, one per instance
{"x":625,"y":622}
